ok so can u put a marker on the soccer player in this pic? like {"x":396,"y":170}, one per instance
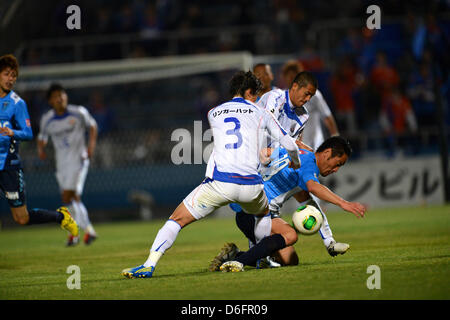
{"x":67,"y":125}
{"x":14,"y":127}
{"x":289,"y":107}
{"x":231,"y":176}
{"x":282,"y":182}
{"x":319,"y":112}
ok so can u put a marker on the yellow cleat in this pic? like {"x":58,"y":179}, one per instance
{"x":68,"y":223}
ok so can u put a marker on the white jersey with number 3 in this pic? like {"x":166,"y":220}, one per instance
{"x":238,"y":128}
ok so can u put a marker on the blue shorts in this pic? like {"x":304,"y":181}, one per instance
{"x":12,"y":184}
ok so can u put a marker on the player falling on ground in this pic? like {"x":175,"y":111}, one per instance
{"x":67,"y":125}
{"x":282,"y":182}
{"x":231,"y":176}
{"x":288,"y":106}
{"x":15,"y":126}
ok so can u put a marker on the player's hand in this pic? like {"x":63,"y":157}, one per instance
{"x":264,"y":156}
{"x":293,"y":165}
{"x":354,"y":207}
{"x":6,"y":132}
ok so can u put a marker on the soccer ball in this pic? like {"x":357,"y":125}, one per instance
{"x":307,"y":220}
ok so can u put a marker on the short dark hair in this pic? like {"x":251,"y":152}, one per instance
{"x":338,"y":145}
{"x":304,"y":78}
{"x":9,"y":61}
{"x":242,"y":81}
{"x":54,"y":87}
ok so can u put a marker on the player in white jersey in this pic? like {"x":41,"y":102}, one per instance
{"x":231,"y":176}
{"x":319,"y":112}
{"x":67,"y":125}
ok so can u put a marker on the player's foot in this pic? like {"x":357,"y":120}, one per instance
{"x":336,"y":248}
{"x":68,"y":223}
{"x":138,"y":272}
{"x":267,"y":262}
{"x":232,"y":266}
{"x":88,"y":238}
{"x":227,"y":253}
{"x":72,"y":241}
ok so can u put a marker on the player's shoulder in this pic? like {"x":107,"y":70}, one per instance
{"x":76,"y":108}
{"x":15,"y":98}
{"x":275,"y":94}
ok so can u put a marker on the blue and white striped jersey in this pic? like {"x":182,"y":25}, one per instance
{"x":239,"y":128}
{"x":291,"y":119}
{"x":281,"y":182}
{"x":14,"y":115}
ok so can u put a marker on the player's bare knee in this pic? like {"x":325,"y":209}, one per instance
{"x":290,"y":237}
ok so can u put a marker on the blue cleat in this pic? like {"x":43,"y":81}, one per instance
{"x":138,"y":272}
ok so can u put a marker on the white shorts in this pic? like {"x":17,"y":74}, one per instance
{"x":73,"y":177}
{"x":212,"y":195}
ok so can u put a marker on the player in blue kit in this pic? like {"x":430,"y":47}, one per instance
{"x":15,"y":127}
{"x":282,"y":182}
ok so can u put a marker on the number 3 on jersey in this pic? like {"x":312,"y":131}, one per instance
{"x":234,"y":132}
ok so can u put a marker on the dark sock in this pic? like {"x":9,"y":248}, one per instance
{"x":246,"y":223}
{"x":264,"y":248}
{"x":38,"y":216}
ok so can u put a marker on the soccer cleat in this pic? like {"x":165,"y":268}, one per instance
{"x":68,"y":223}
{"x":227,"y":253}
{"x":267,"y":262}
{"x":138,"y":272}
{"x":336,"y":248}
{"x":232,"y":266}
{"x":72,"y":241}
{"x":88,"y":238}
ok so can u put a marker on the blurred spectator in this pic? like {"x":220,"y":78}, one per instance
{"x":310,"y":59}
{"x":343,"y":86}
{"x":101,"y":113}
{"x":383,"y":76}
{"x":398,"y":122}
{"x":421,"y":92}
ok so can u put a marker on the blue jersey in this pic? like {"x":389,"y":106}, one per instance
{"x":281,"y":182}
{"x":14,"y":115}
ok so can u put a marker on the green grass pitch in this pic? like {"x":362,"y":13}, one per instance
{"x":411,"y":246}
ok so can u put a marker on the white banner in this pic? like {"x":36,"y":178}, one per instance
{"x":390,"y":183}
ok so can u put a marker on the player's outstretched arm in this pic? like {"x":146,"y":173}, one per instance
{"x":325,"y":194}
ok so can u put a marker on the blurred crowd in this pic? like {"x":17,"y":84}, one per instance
{"x":377,"y":81}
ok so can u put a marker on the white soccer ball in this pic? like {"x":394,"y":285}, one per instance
{"x":307,"y":220}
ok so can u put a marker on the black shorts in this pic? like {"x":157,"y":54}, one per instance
{"x":12,"y":185}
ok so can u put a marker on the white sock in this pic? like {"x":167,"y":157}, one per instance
{"x":89,"y":227}
{"x":164,"y":239}
{"x":325,"y":230}
{"x":263,"y":227}
{"x":77,"y":214}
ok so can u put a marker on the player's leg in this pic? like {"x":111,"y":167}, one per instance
{"x":333,"y":247}
{"x":286,"y":256}
{"x":12,"y":183}
{"x":199,"y":203}
{"x":267,"y":243}
{"x":90,"y":234}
